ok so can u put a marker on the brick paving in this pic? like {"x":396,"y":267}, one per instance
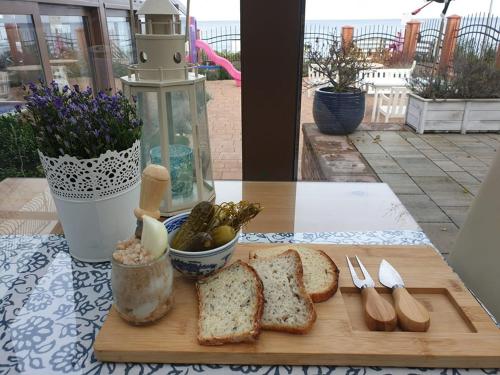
{"x":224,"y":122}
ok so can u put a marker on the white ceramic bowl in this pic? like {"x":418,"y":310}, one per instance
{"x":199,"y":263}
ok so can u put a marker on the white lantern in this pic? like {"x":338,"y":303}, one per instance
{"x":171,"y":101}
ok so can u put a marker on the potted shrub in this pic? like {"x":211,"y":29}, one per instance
{"x":464,"y":98}
{"x":338,"y":106}
{"x":90,"y":151}
{"x":18,"y":150}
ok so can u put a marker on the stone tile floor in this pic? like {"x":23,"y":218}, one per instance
{"x":436,"y":176}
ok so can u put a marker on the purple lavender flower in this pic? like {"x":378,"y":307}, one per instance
{"x":97,"y":123}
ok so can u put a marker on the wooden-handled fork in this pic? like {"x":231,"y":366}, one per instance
{"x":379,"y":314}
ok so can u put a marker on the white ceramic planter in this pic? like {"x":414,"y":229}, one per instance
{"x":95,"y":199}
{"x":453,"y":115}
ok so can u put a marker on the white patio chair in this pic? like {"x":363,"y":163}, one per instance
{"x":315,"y":78}
{"x":385,"y":78}
{"x":392,"y":104}
{"x":60,"y":75}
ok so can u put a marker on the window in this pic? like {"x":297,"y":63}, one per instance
{"x":19,"y":58}
{"x":120,"y":42}
{"x":68,"y":47}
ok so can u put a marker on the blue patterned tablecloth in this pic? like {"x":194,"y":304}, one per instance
{"x":53,"y":306}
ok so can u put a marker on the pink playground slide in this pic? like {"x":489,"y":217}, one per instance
{"x":212,"y":56}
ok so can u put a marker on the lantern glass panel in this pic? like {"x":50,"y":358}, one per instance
{"x":204,"y":143}
{"x":180,"y":136}
{"x":147,"y":108}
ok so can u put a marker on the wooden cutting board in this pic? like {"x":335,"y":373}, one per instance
{"x":461,"y":333}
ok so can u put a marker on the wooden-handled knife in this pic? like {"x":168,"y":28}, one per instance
{"x":155,"y":180}
{"x":412,"y":315}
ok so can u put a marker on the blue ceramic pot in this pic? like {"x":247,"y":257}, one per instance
{"x":196,"y":264}
{"x":338,"y":112}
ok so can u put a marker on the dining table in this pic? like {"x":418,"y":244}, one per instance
{"x":53,"y":306}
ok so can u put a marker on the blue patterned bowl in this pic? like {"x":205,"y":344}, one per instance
{"x":200,"y":263}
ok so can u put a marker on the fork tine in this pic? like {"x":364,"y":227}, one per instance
{"x":351,"y":268}
{"x":354,"y":275}
{"x":364,"y":270}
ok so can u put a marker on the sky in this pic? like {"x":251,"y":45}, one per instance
{"x":221,"y":10}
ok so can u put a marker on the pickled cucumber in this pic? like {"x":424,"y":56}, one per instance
{"x":222,"y":235}
{"x":199,"y":242}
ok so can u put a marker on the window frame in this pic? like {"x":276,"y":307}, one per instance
{"x":271,"y":87}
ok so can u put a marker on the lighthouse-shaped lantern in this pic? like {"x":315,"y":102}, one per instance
{"x":171,"y":101}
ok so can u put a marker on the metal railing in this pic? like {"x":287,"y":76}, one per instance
{"x":427,"y":42}
{"x":480,"y":33}
{"x":373,"y":38}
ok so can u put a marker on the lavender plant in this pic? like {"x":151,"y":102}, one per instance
{"x":70,"y":121}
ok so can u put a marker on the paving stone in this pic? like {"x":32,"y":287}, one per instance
{"x":423,"y":209}
{"x":463,"y":177}
{"x":478,"y":172}
{"x":455,"y":154}
{"x":419,"y":144}
{"x":485,"y":138}
{"x":407,"y":154}
{"x":366,"y":145}
{"x":444,"y":191}
{"x":494,"y":136}
{"x":419,"y":167}
{"x":400,"y":183}
{"x":487,"y":161}
{"x":442,"y":235}
{"x":448,"y":166}
{"x":388,"y":138}
{"x":353,"y":178}
{"x":390,"y":126}
{"x":382,"y":163}
{"x":433,"y":154}
{"x":456,"y":214}
{"x":472,"y":188}
{"x":390,"y":148}
{"x":468,"y":162}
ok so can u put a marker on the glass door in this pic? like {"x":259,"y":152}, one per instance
{"x":68,"y":43}
{"x":120,"y":42}
{"x":20,"y":60}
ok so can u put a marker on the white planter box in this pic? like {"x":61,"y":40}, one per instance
{"x":453,"y":115}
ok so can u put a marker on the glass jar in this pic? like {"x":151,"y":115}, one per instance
{"x":143,"y":293}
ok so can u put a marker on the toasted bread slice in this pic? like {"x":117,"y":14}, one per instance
{"x":287,"y":305}
{"x":231,"y":303}
{"x":321,"y":274}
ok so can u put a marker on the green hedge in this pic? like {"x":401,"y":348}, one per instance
{"x":18,"y":149}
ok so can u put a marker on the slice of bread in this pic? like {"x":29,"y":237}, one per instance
{"x":230,"y":305}
{"x":321,"y":275}
{"x":287,"y":305}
